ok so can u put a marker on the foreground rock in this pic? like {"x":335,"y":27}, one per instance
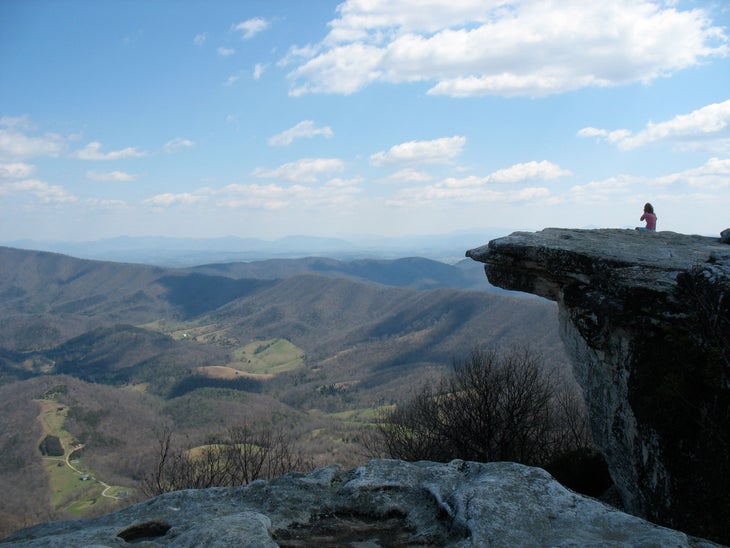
{"x":645,"y":318}
{"x":385,"y":503}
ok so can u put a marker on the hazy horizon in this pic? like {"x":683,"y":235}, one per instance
{"x":180,"y":251}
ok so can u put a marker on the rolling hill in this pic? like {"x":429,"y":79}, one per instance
{"x":312,"y":345}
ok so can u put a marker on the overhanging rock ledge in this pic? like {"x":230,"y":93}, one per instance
{"x":645,"y":318}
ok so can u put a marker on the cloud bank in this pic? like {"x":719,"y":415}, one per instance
{"x":468,"y":48}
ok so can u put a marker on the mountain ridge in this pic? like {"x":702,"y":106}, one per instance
{"x":40,"y":284}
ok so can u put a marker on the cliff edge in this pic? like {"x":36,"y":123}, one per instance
{"x":645,"y":319}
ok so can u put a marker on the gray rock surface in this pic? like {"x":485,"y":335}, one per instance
{"x":384,"y":503}
{"x":725,"y":236}
{"x":645,"y":319}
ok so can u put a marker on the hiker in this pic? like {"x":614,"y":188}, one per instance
{"x":649,"y":217}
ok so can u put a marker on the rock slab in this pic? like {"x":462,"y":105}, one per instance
{"x":384,"y":503}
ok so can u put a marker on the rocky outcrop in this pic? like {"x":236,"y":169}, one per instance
{"x":385,"y":503}
{"x":645,"y":318}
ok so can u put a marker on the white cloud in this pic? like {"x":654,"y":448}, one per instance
{"x":306,"y":170}
{"x":474,"y":189}
{"x":707,"y":127}
{"x":338,"y":182}
{"x":92,"y":151}
{"x":251,"y":27}
{"x":258,"y":70}
{"x":522,"y":47}
{"x":298,"y":53}
{"x":335,"y":193}
{"x":270,"y":197}
{"x":104,"y":203}
{"x":16,"y":122}
{"x":408,"y":175}
{"x":178,"y":143}
{"x":691,"y":186}
{"x":48,"y":194}
{"x":16,"y":145}
{"x":344,"y":69}
{"x":519,"y":173}
{"x":444,"y":192}
{"x":713,"y":175}
{"x":16,"y":170}
{"x":169,"y":199}
{"x":435,"y":151}
{"x":111,"y":176}
{"x":358,"y":16}
{"x":304,"y":129}
{"x":612,"y":137}
{"x":516,"y":174}
{"x":225,"y":52}
{"x":232,"y":79}
{"x":200,"y":39}
{"x":604,"y":191}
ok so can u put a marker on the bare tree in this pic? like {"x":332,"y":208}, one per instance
{"x":243,"y":454}
{"x":490,"y":407}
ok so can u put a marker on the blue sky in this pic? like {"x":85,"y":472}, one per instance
{"x":266,"y":118}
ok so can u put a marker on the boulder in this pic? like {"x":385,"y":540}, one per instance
{"x":645,"y":319}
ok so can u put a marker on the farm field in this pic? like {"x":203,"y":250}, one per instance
{"x":75,"y":489}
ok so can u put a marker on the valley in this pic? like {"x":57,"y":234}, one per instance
{"x":315,"y":347}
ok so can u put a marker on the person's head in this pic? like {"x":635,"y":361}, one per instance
{"x":648,"y":208}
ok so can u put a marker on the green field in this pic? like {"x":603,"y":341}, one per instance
{"x":263,"y":357}
{"x":70,"y":493}
{"x":269,"y":356}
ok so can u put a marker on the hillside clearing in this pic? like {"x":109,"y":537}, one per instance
{"x":74,"y":490}
{"x":270,"y":356}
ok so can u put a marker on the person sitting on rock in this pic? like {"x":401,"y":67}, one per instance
{"x":649,"y":217}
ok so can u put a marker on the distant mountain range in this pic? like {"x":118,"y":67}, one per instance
{"x":181,"y":252}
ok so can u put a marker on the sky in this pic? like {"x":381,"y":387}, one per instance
{"x":267,"y":118}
